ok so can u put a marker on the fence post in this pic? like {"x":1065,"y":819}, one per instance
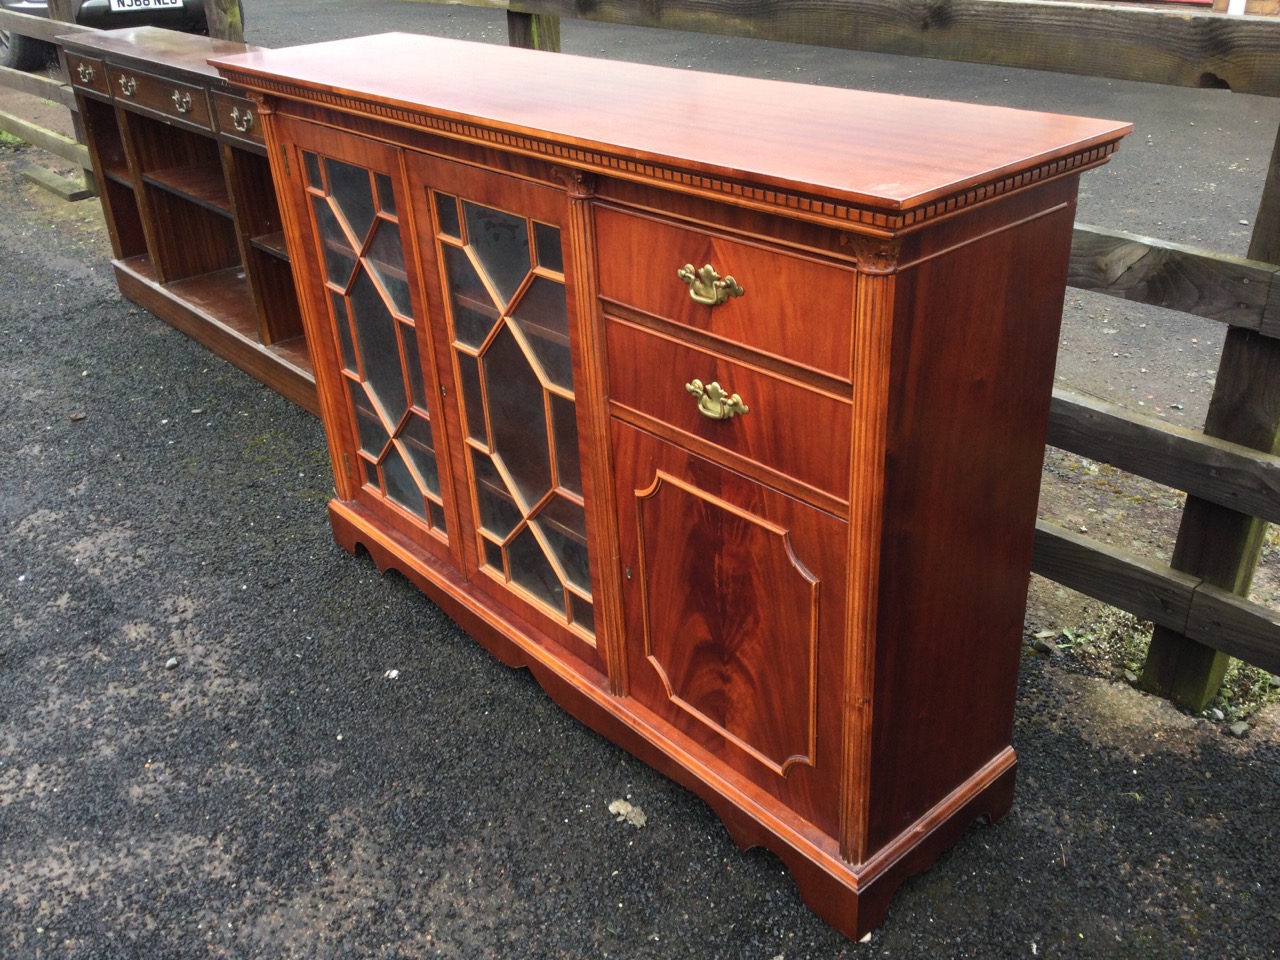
{"x":1214,"y":542}
{"x":225,"y":22}
{"x":533,"y":31}
{"x":62,"y":11}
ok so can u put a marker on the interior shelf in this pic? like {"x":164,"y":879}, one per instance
{"x":272,"y":243}
{"x":200,"y":183}
{"x":119,"y":174}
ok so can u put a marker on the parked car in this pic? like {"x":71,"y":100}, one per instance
{"x":26,"y":53}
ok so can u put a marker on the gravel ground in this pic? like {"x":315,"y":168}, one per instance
{"x":206,"y":748}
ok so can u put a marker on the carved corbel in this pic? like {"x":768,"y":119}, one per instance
{"x":578,"y":184}
{"x":875,"y":255}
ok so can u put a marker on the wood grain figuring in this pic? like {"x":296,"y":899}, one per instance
{"x":872,"y":357}
{"x":733,"y":616}
{"x":650,"y":114}
{"x":590,"y":388}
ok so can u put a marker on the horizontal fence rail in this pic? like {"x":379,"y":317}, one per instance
{"x":1216,"y":286}
{"x":1160,"y":594}
{"x":1183,"y":48}
{"x":38,"y":85}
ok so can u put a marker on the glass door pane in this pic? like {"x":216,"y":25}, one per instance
{"x":358,"y":228}
{"x":509,"y":328}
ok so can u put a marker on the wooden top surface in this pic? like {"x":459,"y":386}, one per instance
{"x":873,"y":149}
{"x":152,"y":45}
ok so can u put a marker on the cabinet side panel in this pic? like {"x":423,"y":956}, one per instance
{"x":974,"y":346}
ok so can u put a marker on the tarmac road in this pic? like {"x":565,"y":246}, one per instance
{"x":276,"y":793}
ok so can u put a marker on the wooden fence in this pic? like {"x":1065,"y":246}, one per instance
{"x":1230,"y":471}
{"x":49,"y":88}
{"x":224,"y":21}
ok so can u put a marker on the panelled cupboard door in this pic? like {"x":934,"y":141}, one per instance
{"x":371,"y":348}
{"x":502,"y":308}
{"x":734,"y":599}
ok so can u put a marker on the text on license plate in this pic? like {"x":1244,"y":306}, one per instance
{"x":124,"y":6}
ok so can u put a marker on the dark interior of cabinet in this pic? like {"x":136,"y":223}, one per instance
{"x":263,"y":247}
{"x":103,"y":132}
{"x":124,"y":222}
{"x":185,"y":199}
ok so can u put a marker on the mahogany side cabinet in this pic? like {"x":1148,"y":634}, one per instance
{"x":717,"y":403}
{"x":188,"y":198}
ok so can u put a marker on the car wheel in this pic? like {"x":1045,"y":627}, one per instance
{"x":23,"y":53}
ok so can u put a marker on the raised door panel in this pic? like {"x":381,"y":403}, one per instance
{"x":734,"y":600}
{"x":503,"y":307}
{"x":367,"y":331}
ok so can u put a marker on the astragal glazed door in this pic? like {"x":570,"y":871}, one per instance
{"x":372,"y":366}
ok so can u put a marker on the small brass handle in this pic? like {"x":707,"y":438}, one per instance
{"x":85,"y":71}
{"x":182,"y":101}
{"x":708,"y":287}
{"x":242,"y":121}
{"x":716,"y":402}
{"x":128,"y":85}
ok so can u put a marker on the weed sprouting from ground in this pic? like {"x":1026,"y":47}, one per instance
{"x":1114,"y":643}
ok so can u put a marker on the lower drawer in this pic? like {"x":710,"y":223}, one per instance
{"x":788,"y":427}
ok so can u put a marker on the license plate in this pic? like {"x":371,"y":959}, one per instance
{"x":127,"y":6}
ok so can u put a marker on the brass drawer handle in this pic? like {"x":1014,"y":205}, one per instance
{"x":128,"y":85}
{"x":716,"y":402}
{"x":708,"y":287}
{"x":242,"y":121}
{"x":85,"y":72}
{"x":182,"y":101}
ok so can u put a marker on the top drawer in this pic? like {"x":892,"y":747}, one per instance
{"x":88,"y":73}
{"x":237,"y":118}
{"x":792,"y":307}
{"x":161,"y":96}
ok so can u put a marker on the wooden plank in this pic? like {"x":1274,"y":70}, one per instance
{"x":1229,"y":474}
{"x":1212,"y":285}
{"x":47,"y":140}
{"x":532,"y":32}
{"x":1183,"y":48}
{"x":1143,"y":587}
{"x":1236,"y":627}
{"x":62,"y":10}
{"x":1265,"y":242}
{"x":1214,"y":542}
{"x":1215,"y":618}
{"x":38,"y":85}
{"x":59,"y":186}
{"x":225,"y":22}
{"x":38,"y":27}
